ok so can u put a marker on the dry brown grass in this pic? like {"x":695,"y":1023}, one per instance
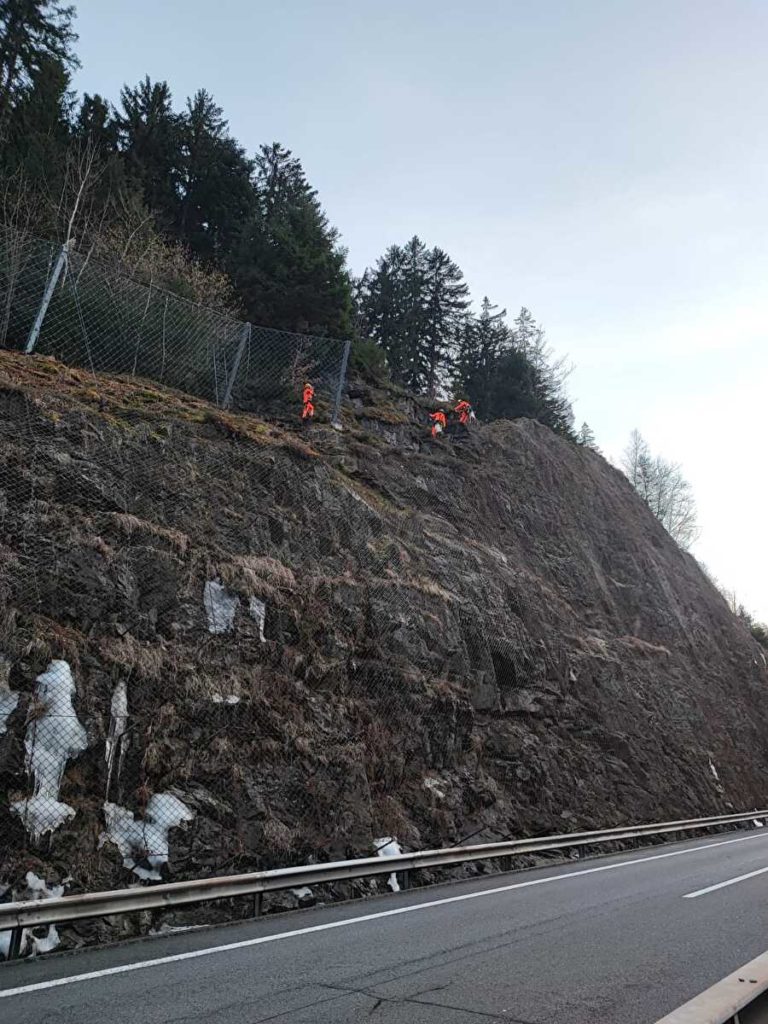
{"x":144,"y":661}
{"x":278,"y":836}
{"x":42,"y":640}
{"x":129,"y":525}
{"x":260,"y":576}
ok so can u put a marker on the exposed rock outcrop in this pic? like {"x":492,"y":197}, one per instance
{"x":328,"y":637}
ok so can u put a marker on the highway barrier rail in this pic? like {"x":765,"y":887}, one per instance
{"x":15,"y":917}
{"x":741,"y":998}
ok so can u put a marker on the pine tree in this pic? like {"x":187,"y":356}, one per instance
{"x":551,"y":374}
{"x":288,"y":264}
{"x":216,"y":194}
{"x":33,"y":33}
{"x":390,"y":305}
{"x":413,"y":303}
{"x":586,"y":437}
{"x":96,"y":121}
{"x":482,"y":342}
{"x":150,"y":139}
{"x":447,"y":299}
{"x":38,"y":127}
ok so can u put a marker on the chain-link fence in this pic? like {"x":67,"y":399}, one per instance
{"x":227,"y":642}
{"x":90,"y":313}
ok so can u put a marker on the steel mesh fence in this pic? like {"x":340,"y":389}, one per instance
{"x":99,"y":318}
{"x":220,"y":651}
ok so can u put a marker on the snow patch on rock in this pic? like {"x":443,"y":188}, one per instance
{"x":388,"y":846}
{"x":143,"y":843}
{"x":31,"y":944}
{"x":117,"y":741}
{"x":258,"y":612}
{"x":53,"y":737}
{"x":435,"y":786}
{"x":713,"y":770}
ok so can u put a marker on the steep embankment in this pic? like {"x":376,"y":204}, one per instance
{"x":397,"y":637}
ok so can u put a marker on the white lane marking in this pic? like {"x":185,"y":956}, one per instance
{"x":724,"y":885}
{"x":346,"y":922}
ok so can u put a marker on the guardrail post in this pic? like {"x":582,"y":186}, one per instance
{"x":405,"y":879}
{"x":14,"y":948}
{"x":53,"y":280}
{"x":335,"y":419}
{"x":244,"y":338}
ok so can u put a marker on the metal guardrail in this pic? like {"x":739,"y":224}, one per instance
{"x":741,"y":998}
{"x":17,"y":916}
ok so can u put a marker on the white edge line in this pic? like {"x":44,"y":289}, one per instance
{"x":724,"y":885}
{"x":346,"y":922}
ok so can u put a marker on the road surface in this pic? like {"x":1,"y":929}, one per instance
{"x":616,"y":940}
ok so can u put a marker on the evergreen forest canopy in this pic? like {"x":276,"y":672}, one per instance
{"x":167,"y":193}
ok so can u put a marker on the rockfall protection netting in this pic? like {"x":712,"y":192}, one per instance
{"x":221,"y":649}
{"x":90,"y":313}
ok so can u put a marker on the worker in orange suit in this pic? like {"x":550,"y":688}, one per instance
{"x":438,"y":422}
{"x":465,"y":413}
{"x":308,"y":411}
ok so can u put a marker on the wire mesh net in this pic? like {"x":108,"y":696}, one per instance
{"x":98,"y":317}
{"x":227,"y":644}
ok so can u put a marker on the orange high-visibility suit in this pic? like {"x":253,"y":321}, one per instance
{"x":309,"y":410}
{"x":438,"y":422}
{"x":464,"y":411}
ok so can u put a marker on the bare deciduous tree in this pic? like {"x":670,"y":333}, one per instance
{"x":664,"y":489}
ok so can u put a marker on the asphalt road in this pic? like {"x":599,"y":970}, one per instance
{"x":616,"y":940}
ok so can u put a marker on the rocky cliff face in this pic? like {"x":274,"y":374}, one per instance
{"x":302,"y":641}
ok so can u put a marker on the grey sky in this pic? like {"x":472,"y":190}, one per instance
{"x":602,"y":162}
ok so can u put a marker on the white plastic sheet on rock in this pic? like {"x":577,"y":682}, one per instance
{"x":258,"y":612}
{"x":388,"y":846}
{"x":53,"y":736}
{"x":143,"y":843}
{"x":220,"y":607}
{"x":117,"y":741}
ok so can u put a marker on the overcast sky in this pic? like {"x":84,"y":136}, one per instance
{"x":603,"y":162}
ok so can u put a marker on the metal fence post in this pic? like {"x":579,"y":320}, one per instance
{"x":47,"y":296}
{"x":244,"y":338}
{"x":335,"y":419}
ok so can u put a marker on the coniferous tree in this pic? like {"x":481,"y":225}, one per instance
{"x":551,"y":374}
{"x":288,"y":264}
{"x":96,"y":121}
{"x":216,"y":194}
{"x":33,"y":33}
{"x":483,"y":341}
{"x":413,"y":303}
{"x":447,"y":299}
{"x":586,"y":437}
{"x":38,"y":126}
{"x":150,"y":139}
